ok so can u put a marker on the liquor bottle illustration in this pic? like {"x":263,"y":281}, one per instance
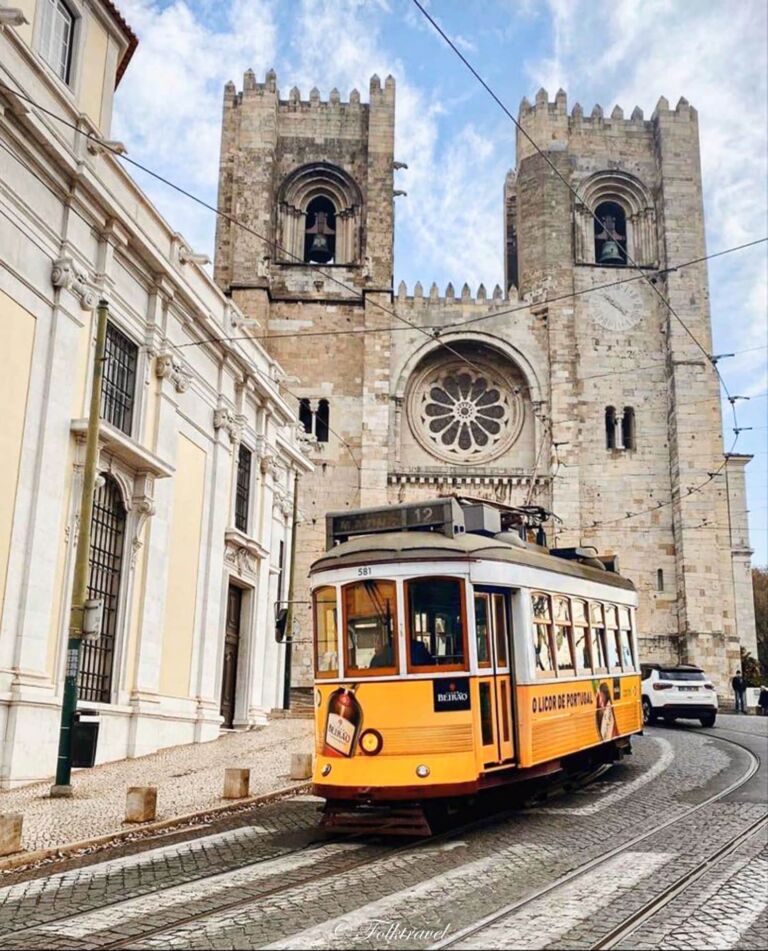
{"x":342,"y":726}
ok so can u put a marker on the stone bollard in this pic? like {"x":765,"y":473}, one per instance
{"x":301,"y":765}
{"x":141,"y":804}
{"x":236,"y":783}
{"x":10,"y":832}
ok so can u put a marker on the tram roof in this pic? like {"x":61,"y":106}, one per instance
{"x":433,"y":546}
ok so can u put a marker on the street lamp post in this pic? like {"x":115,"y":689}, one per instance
{"x":63,"y":787}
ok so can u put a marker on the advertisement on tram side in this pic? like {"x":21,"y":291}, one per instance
{"x":556,"y":719}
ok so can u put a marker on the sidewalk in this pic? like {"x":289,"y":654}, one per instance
{"x":189,"y":779}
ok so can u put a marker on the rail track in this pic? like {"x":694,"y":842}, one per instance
{"x":376,"y":850}
{"x":653,"y":905}
{"x":552,"y":789}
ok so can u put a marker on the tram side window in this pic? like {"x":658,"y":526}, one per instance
{"x":370,"y":616}
{"x":597,"y":637}
{"x":542,"y":635}
{"x":581,"y":645}
{"x":435,"y":624}
{"x":612,"y":636}
{"x":625,"y":640}
{"x":563,"y":635}
{"x":326,"y":643}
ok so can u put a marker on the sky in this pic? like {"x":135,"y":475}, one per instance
{"x":457,"y":142}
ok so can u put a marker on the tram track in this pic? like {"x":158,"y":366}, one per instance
{"x":45,"y":930}
{"x":651,"y":907}
{"x":43,"y":934}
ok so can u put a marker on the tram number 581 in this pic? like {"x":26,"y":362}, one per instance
{"x":365,"y":571}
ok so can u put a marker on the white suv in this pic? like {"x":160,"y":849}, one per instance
{"x":682,"y":691}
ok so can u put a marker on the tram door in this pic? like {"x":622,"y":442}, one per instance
{"x":495,"y":681}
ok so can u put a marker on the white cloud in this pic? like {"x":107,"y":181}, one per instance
{"x":168,"y":106}
{"x":453,"y":181}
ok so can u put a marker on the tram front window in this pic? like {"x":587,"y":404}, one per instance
{"x":326,"y":656}
{"x":435,"y":624}
{"x":370,"y":614}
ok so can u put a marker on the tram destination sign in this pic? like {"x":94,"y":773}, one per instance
{"x":439,"y":515}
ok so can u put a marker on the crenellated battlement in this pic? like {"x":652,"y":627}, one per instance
{"x":556,"y":111}
{"x":294,"y":102}
{"x":464,"y":298}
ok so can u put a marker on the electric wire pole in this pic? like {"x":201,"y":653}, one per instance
{"x":63,"y":787}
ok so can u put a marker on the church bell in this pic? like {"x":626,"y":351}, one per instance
{"x":320,"y":248}
{"x":610,"y":253}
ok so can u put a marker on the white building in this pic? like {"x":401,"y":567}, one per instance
{"x":199,"y":454}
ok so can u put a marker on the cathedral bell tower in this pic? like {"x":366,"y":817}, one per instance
{"x":635,"y":403}
{"x":312,"y":182}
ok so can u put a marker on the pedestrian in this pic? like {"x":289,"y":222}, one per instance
{"x":762,"y":700}
{"x":739,"y":688}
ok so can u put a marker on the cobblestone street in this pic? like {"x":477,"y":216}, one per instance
{"x":615,"y":864}
{"x":188,"y":779}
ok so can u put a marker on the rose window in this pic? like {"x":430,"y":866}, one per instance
{"x":465,"y":413}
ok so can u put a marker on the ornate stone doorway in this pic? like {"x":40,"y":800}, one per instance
{"x":231,"y":652}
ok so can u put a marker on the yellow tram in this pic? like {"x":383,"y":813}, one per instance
{"x":452,"y":655}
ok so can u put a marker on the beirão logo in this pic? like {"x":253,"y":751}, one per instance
{"x":453,"y":695}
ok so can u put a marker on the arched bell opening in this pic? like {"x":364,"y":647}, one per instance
{"x":320,"y":231}
{"x":610,"y":235}
{"x":319,"y":219}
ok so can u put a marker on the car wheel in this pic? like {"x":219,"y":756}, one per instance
{"x":648,"y":715}
{"x":708,"y":720}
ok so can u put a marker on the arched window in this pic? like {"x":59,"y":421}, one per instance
{"x":628,"y":428}
{"x":320,"y":231}
{"x":610,"y":427}
{"x":106,"y":561}
{"x":610,"y":193}
{"x":610,"y":235}
{"x":305,"y":415}
{"x":320,"y":215}
{"x":322,"y":421}
{"x":314,"y":416}
{"x":659,"y":579}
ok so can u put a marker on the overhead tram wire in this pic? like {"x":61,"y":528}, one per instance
{"x":574,"y":191}
{"x":437,"y":329}
{"x":235,"y":221}
{"x":712,"y":360}
{"x":502,"y":312}
{"x":273,"y":244}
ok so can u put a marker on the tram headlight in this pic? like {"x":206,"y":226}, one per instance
{"x":326,"y":770}
{"x":371,"y":742}
{"x":422,"y":771}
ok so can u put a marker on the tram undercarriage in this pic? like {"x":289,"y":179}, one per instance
{"x":375,"y":811}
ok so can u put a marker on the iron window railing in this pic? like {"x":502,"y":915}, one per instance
{"x":118,"y":386}
{"x":243,"y":490}
{"x":106,"y":559}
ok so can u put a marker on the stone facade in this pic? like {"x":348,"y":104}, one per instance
{"x":504,"y":395}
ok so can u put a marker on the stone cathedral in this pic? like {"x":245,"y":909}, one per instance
{"x":550,"y":389}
